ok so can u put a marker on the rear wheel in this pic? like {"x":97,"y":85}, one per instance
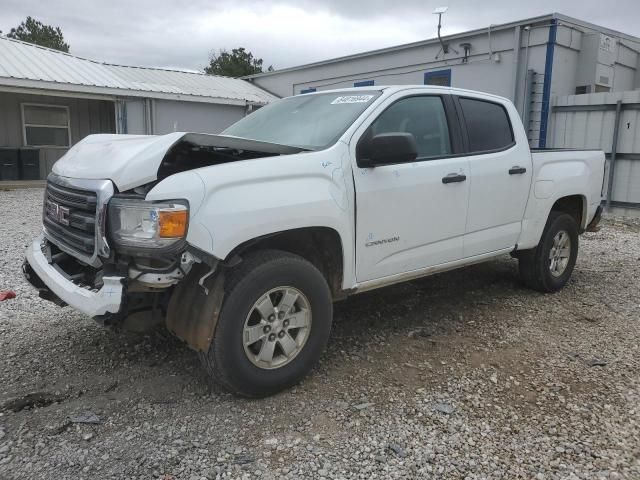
{"x":548,"y":267}
{"x":273,"y":326}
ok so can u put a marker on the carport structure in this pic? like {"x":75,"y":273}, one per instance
{"x":50,"y":100}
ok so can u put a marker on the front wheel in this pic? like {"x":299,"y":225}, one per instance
{"x":548,"y":267}
{"x":274,"y":324}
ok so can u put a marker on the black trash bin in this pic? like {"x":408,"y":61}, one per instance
{"x":9,"y":163}
{"x":29,"y":164}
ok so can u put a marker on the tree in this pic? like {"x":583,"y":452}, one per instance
{"x":238,"y":63}
{"x":33,"y":31}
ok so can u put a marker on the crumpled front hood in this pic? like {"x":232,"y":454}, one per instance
{"x":127,"y":160}
{"x":133,"y":160}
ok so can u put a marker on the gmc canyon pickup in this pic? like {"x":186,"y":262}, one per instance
{"x":240,"y":242}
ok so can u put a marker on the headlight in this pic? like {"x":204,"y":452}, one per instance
{"x":140,"y":224}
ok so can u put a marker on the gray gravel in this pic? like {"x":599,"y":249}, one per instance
{"x":461,"y":375}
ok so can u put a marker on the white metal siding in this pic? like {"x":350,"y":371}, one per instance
{"x":595,"y":128}
{"x":171,"y":116}
{"x":135,"y":114}
{"x":408,"y":66}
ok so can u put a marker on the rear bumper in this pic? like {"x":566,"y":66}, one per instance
{"x":54,"y":286}
{"x":593,"y":225}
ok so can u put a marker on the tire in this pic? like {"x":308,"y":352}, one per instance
{"x":536,"y":265}
{"x":229,"y":361}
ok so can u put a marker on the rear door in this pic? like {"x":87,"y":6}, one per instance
{"x":500,"y":175}
{"x":407,"y":218}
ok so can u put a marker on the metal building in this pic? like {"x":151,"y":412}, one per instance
{"x":50,"y":100}
{"x":610,"y":122}
{"x":529,"y":61}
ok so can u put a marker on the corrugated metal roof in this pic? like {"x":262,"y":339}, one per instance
{"x":23,"y":63}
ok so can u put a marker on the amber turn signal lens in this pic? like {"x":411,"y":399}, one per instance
{"x":173,"y":223}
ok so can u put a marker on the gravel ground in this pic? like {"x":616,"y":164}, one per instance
{"x":461,"y":375}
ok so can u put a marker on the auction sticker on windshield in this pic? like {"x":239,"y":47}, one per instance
{"x":352,"y":99}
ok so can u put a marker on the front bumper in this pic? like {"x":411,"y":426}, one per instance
{"x":45,"y":276}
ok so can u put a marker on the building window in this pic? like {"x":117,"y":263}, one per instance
{"x":364,"y":83}
{"x":45,"y":125}
{"x":440,"y":78}
{"x":308,"y":90}
{"x":583,"y":89}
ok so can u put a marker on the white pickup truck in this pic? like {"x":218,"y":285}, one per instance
{"x":240,"y":242}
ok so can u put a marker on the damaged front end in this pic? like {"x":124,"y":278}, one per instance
{"x":116,"y":258}
{"x":113,"y":254}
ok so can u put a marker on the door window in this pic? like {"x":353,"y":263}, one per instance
{"x":488,"y":125}
{"x":424,"y":118}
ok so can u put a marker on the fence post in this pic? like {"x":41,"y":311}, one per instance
{"x":614,"y":151}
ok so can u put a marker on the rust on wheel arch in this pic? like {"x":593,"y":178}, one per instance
{"x":194,"y":309}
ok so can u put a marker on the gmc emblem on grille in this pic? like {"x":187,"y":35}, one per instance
{"x":57,"y":213}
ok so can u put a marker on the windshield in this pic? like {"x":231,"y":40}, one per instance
{"x":308,"y":121}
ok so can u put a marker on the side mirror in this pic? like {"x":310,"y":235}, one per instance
{"x":386,"y":149}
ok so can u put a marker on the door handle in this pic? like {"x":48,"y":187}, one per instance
{"x":454,"y":178}
{"x":517,"y":170}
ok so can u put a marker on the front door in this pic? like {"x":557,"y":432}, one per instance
{"x":411,"y":216}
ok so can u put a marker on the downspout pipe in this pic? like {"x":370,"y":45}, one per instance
{"x":546,"y":89}
{"x":526,"y":107}
{"x":516,"y":64}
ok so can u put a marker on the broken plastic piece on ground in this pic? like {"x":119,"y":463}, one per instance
{"x":6,"y":295}
{"x":597,"y":362}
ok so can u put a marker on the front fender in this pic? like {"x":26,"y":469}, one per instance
{"x":253,"y":198}
{"x":186,"y":185}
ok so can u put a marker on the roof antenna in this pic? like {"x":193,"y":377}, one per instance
{"x":444,"y":47}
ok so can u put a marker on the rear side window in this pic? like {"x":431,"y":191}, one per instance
{"x":488,"y":125}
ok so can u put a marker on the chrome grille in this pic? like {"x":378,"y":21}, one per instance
{"x":74,"y":216}
{"x":70,"y":216}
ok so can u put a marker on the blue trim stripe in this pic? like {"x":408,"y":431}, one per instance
{"x":438,"y":74}
{"x":308,"y":90}
{"x":546,"y":88}
{"x":364,"y":83}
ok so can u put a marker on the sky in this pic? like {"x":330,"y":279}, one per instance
{"x":284,"y":33}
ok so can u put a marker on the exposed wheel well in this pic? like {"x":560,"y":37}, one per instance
{"x":319,"y":245}
{"x":574,"y":206}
